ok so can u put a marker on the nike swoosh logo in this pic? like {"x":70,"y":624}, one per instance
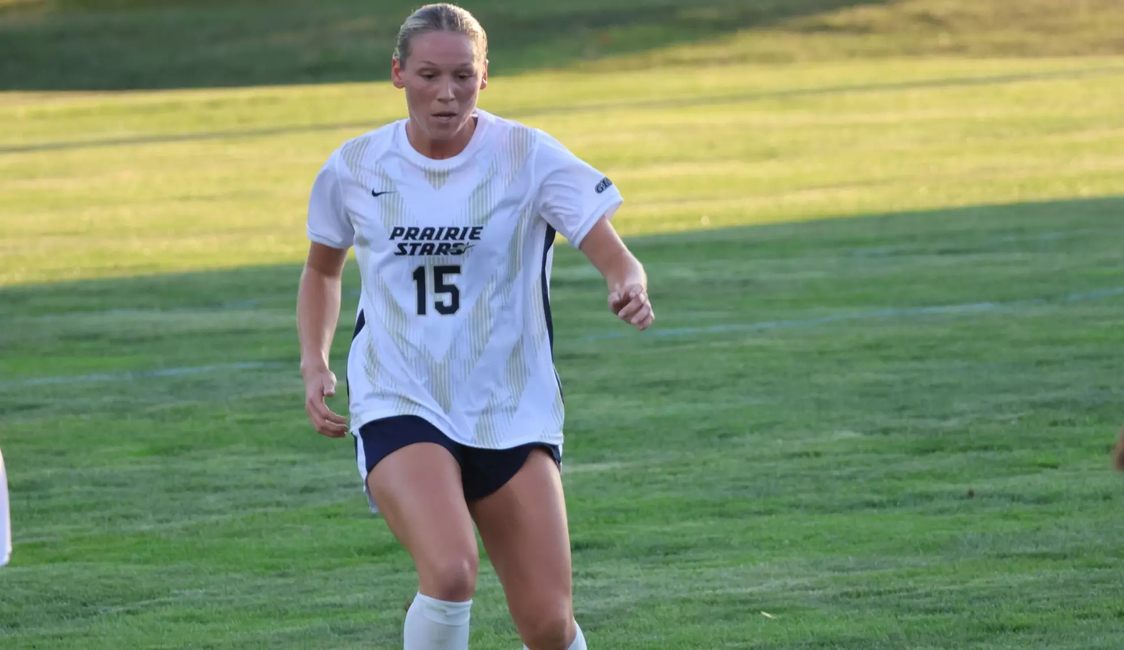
{"x":376,"y":193}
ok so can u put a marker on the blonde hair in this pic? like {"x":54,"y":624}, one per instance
{"x":440,"y":17}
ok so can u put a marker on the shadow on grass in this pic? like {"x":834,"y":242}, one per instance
{"x":158,"y":44}
{"x":950,"y":232}
{"x":75,"y":347}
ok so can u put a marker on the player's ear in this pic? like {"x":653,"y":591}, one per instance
{"x":484,"y":76}
{"x":396,"y":73}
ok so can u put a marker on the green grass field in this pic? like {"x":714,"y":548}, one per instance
{"x":875,"y":413}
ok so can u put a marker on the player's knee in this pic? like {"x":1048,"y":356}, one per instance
{"x":451,"y":578}
{"x":550,"y":629}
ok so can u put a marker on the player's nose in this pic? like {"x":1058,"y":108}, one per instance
{"x":445,"y":92}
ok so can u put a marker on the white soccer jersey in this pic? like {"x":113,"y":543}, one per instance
{"x":455,"y":258}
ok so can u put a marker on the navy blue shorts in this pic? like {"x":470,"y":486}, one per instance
{"x":483,"y":471}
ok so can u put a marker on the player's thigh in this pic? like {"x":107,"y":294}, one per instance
{"x":524,"y":529}
{"x":418,"y":490}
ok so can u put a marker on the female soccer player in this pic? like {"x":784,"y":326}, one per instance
{"x":455,"y":407}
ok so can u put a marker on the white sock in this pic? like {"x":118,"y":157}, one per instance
{"x":579,"y":640}
{"x":5,"y":521}
{"x":433,"y":624}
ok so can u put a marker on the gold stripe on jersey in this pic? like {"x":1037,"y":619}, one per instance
{"x":393,"y":210}
{"x":437,"y":177}
{"x":480,"y":202}
{"x":353,"y":152}
{"x":496,"y":415}
{"x":382,"y":383}
{"x":371,"y":363}
{"x":559,"y":409}
{"x":392,"y":207}
{"x":480,"y":321}
{"x":518,"y":148}
{"x":487,"y":425}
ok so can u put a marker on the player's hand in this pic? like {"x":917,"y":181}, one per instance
{"x":630,"y":304}
{"x":318,"y":386}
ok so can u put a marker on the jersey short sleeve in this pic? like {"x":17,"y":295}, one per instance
{"x":328,"y":222}
{"x":573,"y":195}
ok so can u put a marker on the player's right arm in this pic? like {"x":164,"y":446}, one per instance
{"x":318,"y":298}
{"x":318,"y":311}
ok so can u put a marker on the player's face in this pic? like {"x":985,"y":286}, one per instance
{"x":442,"y":77}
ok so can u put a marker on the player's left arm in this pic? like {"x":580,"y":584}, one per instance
{"x":628,"y":283}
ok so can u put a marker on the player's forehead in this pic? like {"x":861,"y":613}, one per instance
{"x":442,"y":49}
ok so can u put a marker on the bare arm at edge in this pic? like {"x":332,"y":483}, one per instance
{"x":318,"y":313}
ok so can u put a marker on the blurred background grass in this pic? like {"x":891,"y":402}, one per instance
{"x":130,"y":44}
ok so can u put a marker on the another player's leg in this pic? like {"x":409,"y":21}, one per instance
{"x":523,"y":526}
{"x":418,"y":489}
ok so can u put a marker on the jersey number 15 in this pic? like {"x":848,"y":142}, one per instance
{"x":451,"y":295}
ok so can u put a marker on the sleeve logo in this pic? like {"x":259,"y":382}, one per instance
{"x":604,"y":185}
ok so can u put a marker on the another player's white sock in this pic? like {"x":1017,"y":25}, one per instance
{"x":433,"y":624}
{"x":5,"y":521}
{"x":579,"y":640}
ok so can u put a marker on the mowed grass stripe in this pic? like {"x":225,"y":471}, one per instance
{"x":666,"y":99}
{"x":783,"y":159}
{"x":1022,"y":308}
